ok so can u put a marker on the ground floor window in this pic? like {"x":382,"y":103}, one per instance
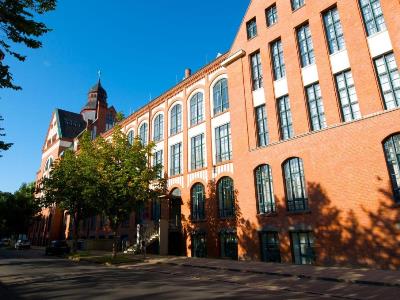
{"x":270,"y":249}
{"x":229,"y":245}
{"x":303,"y":248}
{"x":199,"y":246}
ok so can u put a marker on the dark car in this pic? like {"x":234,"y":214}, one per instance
{"x":57,"y":248}
{"x":22,"y":244}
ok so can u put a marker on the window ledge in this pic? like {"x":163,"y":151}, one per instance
{"x":197,"y":170}
{"x":172,"y":135}
{"x":221,"y":163}
{"x":197,"y":124}
{"x":252,"y":38}
{"x":299,"y":212}
{"x":272,"y":25}
{"x":221,"y":113}
{"x":294,"y":10}
{"x":269,"y":214}
{"x":174,"y":176}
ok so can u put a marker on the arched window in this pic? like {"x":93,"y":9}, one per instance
{"x":158,"y":128}
{"x":296,"y":195}
{"x":221,"y":99}
{"x":49,"y":163}
{"x":176,"y":119}
{"x":198,"y":202}
{"x":265,"y":193}
{"x":143,"y":134}
{"x":226,"y":198}
{"x":131,"y":137}
{"x":196,"y":109}
{"x":392,"y":152}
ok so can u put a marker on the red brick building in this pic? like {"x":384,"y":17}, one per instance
{"x":286,"y":148}
{"x":64,"y":128}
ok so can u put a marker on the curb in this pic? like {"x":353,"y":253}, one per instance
{"x":281,"y":274}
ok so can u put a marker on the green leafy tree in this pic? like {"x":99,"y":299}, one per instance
{"x":18,"y":26}
{"x":18,"y":210}
{"x":128,"y":180}
{"x":73,"y":185}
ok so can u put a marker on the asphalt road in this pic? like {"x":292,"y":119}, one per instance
{"x":31,"y":275}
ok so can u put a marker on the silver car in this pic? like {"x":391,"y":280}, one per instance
{"x":22,"y":244}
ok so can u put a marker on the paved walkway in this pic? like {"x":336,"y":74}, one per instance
{"x":335,"y":274}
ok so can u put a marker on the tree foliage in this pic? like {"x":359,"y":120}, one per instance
{"x":3,"y":145}
{"x":18,"y":210}
{"x":73,"y":185}
{"x":128,"y":180}
{"x":108,"y":178}
{"x":18,"y":26}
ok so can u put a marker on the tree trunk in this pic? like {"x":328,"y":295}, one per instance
{"x":75,"y":235}
{"x":114,"y":247}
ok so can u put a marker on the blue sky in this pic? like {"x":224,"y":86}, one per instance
{"x":141,"y":47}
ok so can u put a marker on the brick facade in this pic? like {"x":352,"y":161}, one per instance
{"x":352,"y":217}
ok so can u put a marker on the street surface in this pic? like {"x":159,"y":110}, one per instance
{"x":31,"y":275}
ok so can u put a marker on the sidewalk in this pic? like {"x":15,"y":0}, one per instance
{"x":335,"y":274}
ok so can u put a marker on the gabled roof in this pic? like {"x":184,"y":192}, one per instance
{"x":70,"y":124}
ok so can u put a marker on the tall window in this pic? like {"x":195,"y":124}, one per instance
{"x":389,"y":79}
{"x":223,"y":143}
{"x":316,"y":107}
{"x":226,"y":198}
{"x":229,"y":245}
{"x":143,"y":134}
{"x":296,"y":195}
{"x":306,"y":47}
{"x":285,"y":118}
{"x":265,"y":192}
{"x":334,"y":32}
{"x":392,"y":151}
{"x":131,"y":137}
{"x":270,"y":248}
{"x":221,"y":99}
{"x":109,"y":121}
{"x":271,"y":14}
{"x":262,"y":126}
{"x":278,"y":61}
{"x":373,"y":16}
{"x":348,"y":97}
{"x":49,"y":163}
{"x":296,"y":4}
{"x":198,"y":196}
{"x":199,"y":245}
{"x":196,"y":109}
{"x":197,"y":155}
{"x":256,"y":71}
{"x":303,"y":248}
{"x":158,"y":161}
{"x":176,"y":158}
{"x":155,"y":210}
{"x":176,"y":119}
{"x":158,"y":134}
{"x":251,"y":28}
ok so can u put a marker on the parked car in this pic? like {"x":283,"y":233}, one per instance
{"x":57,"y":248}
{"x":5,"y":242}
{"x":22,"y":244}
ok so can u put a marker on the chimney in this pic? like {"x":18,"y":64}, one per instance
{"x":188,"y":73}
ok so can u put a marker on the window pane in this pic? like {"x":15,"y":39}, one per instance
{"x":373,"y":16}
{"x":265,"y":193}
{"x":347,"y":96}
